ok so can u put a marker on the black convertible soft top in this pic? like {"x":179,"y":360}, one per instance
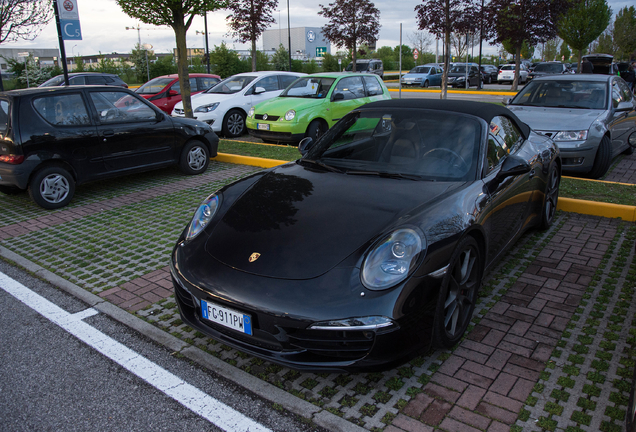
{"x":483,"y":110}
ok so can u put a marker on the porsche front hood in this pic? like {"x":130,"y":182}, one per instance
{"x":299,"y":222}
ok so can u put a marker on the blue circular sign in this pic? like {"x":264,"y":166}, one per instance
{"x":311,"y":36}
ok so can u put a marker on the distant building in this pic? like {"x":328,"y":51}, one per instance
{"x":46,"y":56}
{"x":307,"y":43}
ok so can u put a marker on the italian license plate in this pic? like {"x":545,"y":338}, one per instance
{"x":262,"y":126}
{"x":226,"y":317}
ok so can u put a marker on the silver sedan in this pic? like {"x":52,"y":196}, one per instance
{"x":590,"y":117}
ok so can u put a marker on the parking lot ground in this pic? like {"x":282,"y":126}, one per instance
{"x":551,"y":346}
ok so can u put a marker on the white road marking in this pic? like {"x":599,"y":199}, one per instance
{"x":189,"y":396}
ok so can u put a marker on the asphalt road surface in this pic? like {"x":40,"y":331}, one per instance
{"x":54,"y":375}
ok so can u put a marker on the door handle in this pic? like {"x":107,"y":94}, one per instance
{"x":532,"y":173}
{"x":108,"y":133}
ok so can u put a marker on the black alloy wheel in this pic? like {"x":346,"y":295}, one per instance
{"x":551,"y":198}
{"x":234,"y":124}
{"x":458,"y":295}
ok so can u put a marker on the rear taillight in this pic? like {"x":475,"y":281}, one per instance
{"x":12,"y":159}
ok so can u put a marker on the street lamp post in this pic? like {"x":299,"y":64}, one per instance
{"x":289,"y":35}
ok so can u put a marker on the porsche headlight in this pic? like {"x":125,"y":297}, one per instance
{"x":289,"y":115}
{"x":250,"y":113}
{"x":392,"y":259}
{"x":202,"y":216}
{"x":206,"y":108}
{"x":571,"y":136}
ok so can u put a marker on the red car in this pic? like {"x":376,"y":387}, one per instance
{"x":164,"y":91}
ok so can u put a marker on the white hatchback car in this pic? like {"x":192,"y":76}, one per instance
{"x":507,"y":74}
{"x":225,"y":106}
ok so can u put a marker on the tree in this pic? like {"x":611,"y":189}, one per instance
{"x":625,"y":32}
{"x":583,"y":23}
{"x":248,"y":20}
{"x":23,"y":19}
{"x":177,"y":14}
{"x":330,"y":63}
{"x":163,"y":66}
{"x":519,"y":21}
{"x":441,"y":18}
{"x":226,"y":62}
{"x":549,"y":49}
{"x":605,"y":43}
{"x":351,"y":22}
{"x":408,"y":62}
{"x":280,"y":59}
{"x":565,"y":53}
{"x":420,"y":40}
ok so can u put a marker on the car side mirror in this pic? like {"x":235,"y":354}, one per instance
{"x":513,"y":166}
{"x":506,"y":101}
{"x":173,"y":93}
{"x":625,"y":106}
{"x":337,"y":97}
{"x":259,"y":90}
{"x":304,"y":145}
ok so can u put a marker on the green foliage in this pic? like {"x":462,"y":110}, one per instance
{"x":280,"y":59}
{"x":164,"y":65}
{"x":310,"y":67}
{"x":625,"y":32}
{"x":330,"y":63}
{"x":584,"y":22}
{"x":225,"y":62}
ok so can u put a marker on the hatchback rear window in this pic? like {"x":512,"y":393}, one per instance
{"x":62,"y":110}
{"x":4,"y":116}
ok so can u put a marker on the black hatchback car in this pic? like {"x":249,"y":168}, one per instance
{"x":56,"y":137}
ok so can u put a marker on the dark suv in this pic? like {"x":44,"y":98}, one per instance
{"x":54,"y":138}
{"x":86,"y":78}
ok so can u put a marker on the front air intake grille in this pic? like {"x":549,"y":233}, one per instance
{"x":349,"y":344}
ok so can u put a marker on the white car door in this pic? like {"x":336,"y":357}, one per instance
{"x":262,"y":90}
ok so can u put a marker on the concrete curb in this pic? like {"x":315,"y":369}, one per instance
{"x":239,"y":377}
{"x":248,"y":160}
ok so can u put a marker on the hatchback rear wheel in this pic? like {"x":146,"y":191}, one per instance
{"x":195,"y":158}
{"x":52,"y":187}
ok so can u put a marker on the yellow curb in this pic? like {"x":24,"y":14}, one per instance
{"x":473,"y":92}
{"x":594,"y":208}
{"x":248,"y":160}
{"x":260,"y":143}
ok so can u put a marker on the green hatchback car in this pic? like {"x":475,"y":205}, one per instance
{"x":312,"y":104}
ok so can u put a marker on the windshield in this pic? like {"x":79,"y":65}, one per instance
{"x":458,"y":69}
{"x":55,"y":81}
{"x":359,"y":66}
{"x":154,"y":86}
{"x":231,"y":85}
{"x":550,"y":68}
{"x":309,"y":87}
{"x":413,"y":144}
{"x":420,"y":69}
{"x":564,"y":94}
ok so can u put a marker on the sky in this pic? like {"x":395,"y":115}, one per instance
{"x":104,"y":27}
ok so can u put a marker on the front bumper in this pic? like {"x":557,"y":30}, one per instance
{"x":282,"y":334}
{"x":287,"y":132}
{"x":577,"y":156}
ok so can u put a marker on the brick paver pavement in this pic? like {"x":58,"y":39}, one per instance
{"x":624,"y":171}
{"x":487,"y":379}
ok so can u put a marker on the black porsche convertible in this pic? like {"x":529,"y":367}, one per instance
{"x":373,"y":245}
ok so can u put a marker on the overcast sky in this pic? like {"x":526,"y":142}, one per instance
{"x":104,"y":27}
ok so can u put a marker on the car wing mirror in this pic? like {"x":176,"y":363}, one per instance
{"x":173,"y":93}
{"x":259,"y":90}
{"x":304,"y":145}
{"x":513,"y":166}
{"x":625,"y":106}
{"x":337,"y":97}
{"x":506,"y":101}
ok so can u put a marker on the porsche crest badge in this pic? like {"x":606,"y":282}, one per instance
{"x":254,"y":256}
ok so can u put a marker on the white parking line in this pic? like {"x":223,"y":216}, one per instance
{"x":189,"y":396}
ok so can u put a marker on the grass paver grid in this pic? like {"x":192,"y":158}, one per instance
{"x":20,"y":207}
{"x":584,"y":387}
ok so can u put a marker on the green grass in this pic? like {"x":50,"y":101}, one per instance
{"x":570,"y":187}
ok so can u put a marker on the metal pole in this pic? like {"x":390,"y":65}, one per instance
{"x":289,"y":35}
{"x":481,"y":37}
{"x":26,"y":71}
{"x":207,"y":46}
{"x":467,"y":84}
{"x":147,"y":67}
{"x":400,"y":71}
{"x":61,"y":42}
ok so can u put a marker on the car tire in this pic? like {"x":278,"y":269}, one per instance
{"x":425,"y":85}
{"x":602,"y":160}
{"x":9,"y":190}
{"x":458,"y":294}
{"x":234,"y":123}
{"x":195,"y":158}
{"x":316,"y":129}
{"x":52,"y":187}
{"x":550,"y":198}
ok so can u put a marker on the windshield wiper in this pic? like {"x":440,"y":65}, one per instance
{"x":323,"y":165}
{"x":386,"y":175}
